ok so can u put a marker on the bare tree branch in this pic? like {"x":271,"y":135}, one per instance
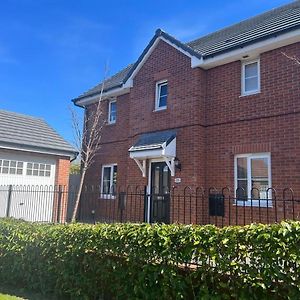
{"x":87,"y":140}
{"x":293,"y":58}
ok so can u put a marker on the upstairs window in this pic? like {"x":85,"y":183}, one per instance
{"x":112,"y":112}
{"x":109,"y":180}
{"x":250,"y":78}
{"x":161,"y":95}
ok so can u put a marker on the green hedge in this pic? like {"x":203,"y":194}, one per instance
{"x":127,"y":261}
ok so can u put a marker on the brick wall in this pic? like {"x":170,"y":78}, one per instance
{"x":61,"y":179}
{"x":213,"y":121}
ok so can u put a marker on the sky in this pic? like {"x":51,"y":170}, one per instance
{"x":51,"y":51}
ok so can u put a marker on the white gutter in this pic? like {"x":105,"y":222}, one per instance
{"x":32,"y":149}
{"x":124,"y":89}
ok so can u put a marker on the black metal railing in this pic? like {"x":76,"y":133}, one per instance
{"x":138,"y":204}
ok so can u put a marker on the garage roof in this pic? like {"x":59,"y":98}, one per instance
{"x":22,"y":132}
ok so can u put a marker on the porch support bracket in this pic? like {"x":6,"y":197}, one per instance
{"x":141,"y":165}
{"x":171,"y":164}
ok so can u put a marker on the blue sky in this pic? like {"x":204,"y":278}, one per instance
{"x":53,"y":50}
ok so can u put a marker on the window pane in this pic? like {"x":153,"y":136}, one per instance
{"x":29,"y":165}
{"x":165,"y":180}
{"x":164,"y":90}
{"x":42,"y":173}
{"x":5,"y":170}
{"x":106,"y":180}
{"x":29,"y":172}
{"x":113,"y":106}
{"x":20,"y":164}
{"x":6,"y":163}
{"x":259,"y":180}
{"x":251,"y":70}
{"x":35,"y":172}
{"x":42,"y":166}
{"x":251,"y":84}
{"x":0,"y":162}
{"x":242,"y":168}
{"x":47,"y":173}
{"x":241,"y":192}
{"x":48,"y":167}
{"x":112,"y":117}
{"x":112,"y":111}
{"x":12,"y":171}
{"x":36,"y":166}
{"x":114,"y":185}
{"x":259,"y":167}
{"x":19,"y":171}
{"x":163,"y":101}
{"x":259,"y":189}
{"x":13,"y":163}
{"x":162,"y":95}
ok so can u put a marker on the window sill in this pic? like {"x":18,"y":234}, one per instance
{"x":250,"y":94}
{"x":107,"y":197}
{"x":254,"y":203}
{"x":111,"y":124}
{"x":160,"y":109}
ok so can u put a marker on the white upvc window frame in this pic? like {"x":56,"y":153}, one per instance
{"x":253,"y":202}
{"x":157,"y":94}
{"x":243,"y":78}
{"x":11,"y":165}
{"x":102,"y":194}
{"x":109,"y":112}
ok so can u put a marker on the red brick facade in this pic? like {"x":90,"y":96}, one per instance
{"x":61,"y":181}
{"x":213,"y":120}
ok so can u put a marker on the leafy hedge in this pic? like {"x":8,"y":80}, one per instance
{"x":127,"y":261}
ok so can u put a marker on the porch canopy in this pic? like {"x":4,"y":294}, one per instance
{"x":155,"y":145}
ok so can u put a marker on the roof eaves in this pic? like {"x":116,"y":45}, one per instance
{"x":38,"y":149}
{"x":95,"y":93}
{"x":242,"y":45}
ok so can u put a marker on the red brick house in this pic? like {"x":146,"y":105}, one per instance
{"x":219,"y":111}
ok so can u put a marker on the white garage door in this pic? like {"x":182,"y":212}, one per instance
{"x":32,"y":178}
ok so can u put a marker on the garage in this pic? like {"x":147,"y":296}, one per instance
{"x":34,"y":163}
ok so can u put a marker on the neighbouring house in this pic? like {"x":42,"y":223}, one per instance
{"x":220,"y":111}
{"x":35,"y":162}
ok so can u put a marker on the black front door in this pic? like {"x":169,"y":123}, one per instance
{"x":160,"y":193}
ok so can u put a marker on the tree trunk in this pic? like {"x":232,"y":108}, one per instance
{"x":75,"y":211}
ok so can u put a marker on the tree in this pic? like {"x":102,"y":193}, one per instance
{"x":75,"y":168}
{"x":87,"y":140}
{"x":293,"y":58}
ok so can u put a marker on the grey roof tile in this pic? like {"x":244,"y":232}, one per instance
{"x":26,"y":131}
{"x":272,"y":22}
{"x":114,"y":81}
{"x":276,"y":21}
{"x":153,"y":140}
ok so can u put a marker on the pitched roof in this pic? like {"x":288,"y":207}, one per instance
{"x":22,"y":131}
{"x":153,"y":140}
{"x":274,"y":22}
{"x":113,"y":82}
